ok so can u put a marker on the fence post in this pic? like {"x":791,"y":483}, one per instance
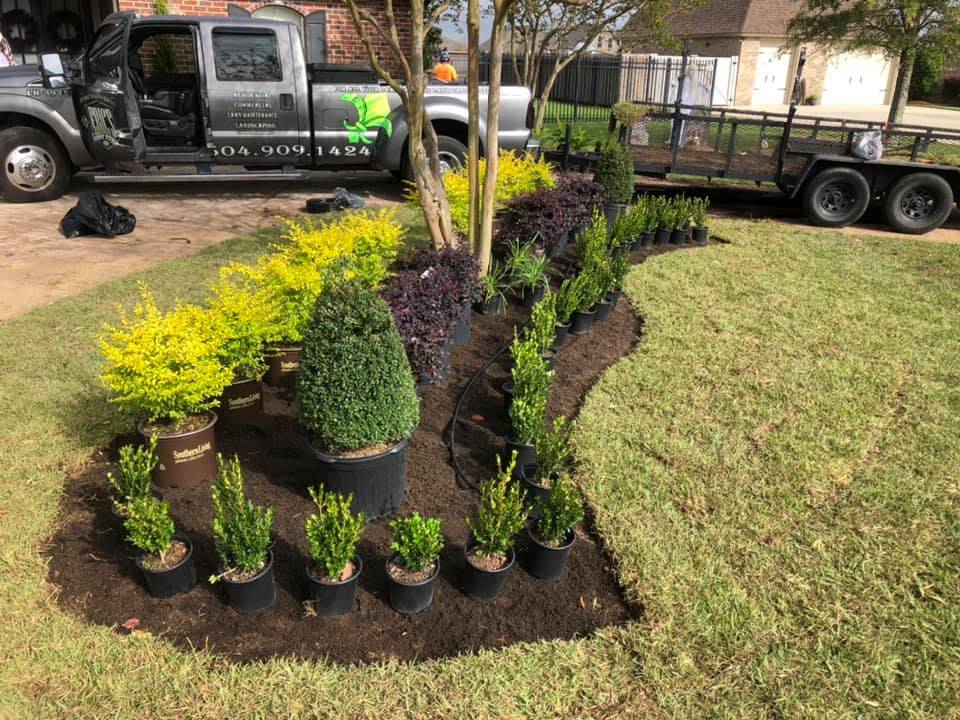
{"x":576,"y":94}
{"x":676,"y":132}
{"x":565,"y":162}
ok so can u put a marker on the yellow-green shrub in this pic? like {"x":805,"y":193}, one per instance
{"x":247,"y":318}
{"x":165,"y":365}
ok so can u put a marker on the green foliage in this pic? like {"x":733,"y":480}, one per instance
{"x":135,"y":469}
{"x":501,"y":514}
{"x":927,"y":73}
{"x":562,"y":510}
{"x":165,"y":58}
{"x":615,"y":173}
{"x":417,"y":541}
{"x":166,"y":366}
{"x":632,"y":223}
{"x":495,"y":282}
{"x":525,"y":265}
{"x":355,"y":387}
{"x":149,"y":525}
{"x":241,"y":530}
{"x":698,"y":211}
{"x":593,"y":242}
{"x":543,"y":321}
{"x":246,"y":319}
{"x":568,"y":300}
{"x":619,"y":267}
{"x":591,"y":284}
{"x":531,"y":389}
{"x":554,"y":452}
{"x":629,"y":114}
{"x":333,"y":532}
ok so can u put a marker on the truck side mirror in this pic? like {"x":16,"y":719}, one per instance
{"x":52,"y":71}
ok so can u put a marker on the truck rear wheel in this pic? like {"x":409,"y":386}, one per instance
{"x":918,"y":203}
{"x":35,"y":167}
{"x":836,"y":197}
{"x":452,"y":152}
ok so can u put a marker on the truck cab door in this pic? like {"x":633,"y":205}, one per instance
{"x":105,"y":100}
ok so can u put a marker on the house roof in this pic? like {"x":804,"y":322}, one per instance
{"x":735,"y":17}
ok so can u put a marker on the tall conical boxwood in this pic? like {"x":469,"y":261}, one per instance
{"x":355,"y":388}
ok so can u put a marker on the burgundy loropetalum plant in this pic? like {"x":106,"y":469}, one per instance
{"x":581,"y":196}
{"x":462,"y":265}
{"x":425,"y":305}
{"x":541,"y":214}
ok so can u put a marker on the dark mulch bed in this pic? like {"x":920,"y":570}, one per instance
{"x":98,"y":581}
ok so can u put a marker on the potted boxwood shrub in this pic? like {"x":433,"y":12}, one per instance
{"x":241,"y":535}
{"x":680,"y":225}
{"x":543,"y":327}
{"x":615,"y":173}
{"x":134,"y":476}
{"x":528,"y":271}
{"x":618,"y":271}
{"x":165,"y":559}
{"x":356,"y":398}
{"x":662,"y":220}
{"x":554,"y":458}
{"x":334,"y":566}
{"x":245,"y":318}
{"x":494,"y":283}
{"x":589,"y":291}
{"x":698,"y":216}
{"x":531,"y":391}
{"x":464,"y":269}
{"x":167,"y":368}
{"x":413,"y":567}
{"x":551,"y":532}
{"x":489,"y":553}
{"x":567,"y":301}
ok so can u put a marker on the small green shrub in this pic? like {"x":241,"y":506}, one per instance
{"x":543,"y":321}
{"x":590,"y":285}
{"x":698,"y":211}
{"x":593,"y":242}
{"x":135,"y":469}
{"x":629,"y":114}
{"x":568,"y":300}
{"x":531,"y":391}
{"x":355,"y":388}
{"x":554,"y":453}
{"x":417,"y":541}
{"x":246,"y":319}
{"x":619,"y":267}
{"x":631,"y":224}
{"x":241,"y":530}
{"x":615,"y":173}
{"x":333,"y":532}
{"x":150,"y":527}
{"x":501,"y":513}
{"x":562,"y":510}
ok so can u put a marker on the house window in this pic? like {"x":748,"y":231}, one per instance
{"x":246,"y":56}
{"x":280,"y":13}
{"x":312,"y":27}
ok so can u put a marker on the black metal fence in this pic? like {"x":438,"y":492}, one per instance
{"x":588,"y":86}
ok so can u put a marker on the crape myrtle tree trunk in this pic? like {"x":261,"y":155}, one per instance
{"x":422,"y":142}
{"x":898,"y":28}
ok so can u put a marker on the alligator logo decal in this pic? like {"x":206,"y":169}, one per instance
{"x":372,"y":112}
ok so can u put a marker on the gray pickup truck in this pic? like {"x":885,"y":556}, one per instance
{"x":170,"y":98}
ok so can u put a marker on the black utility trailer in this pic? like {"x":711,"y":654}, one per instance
{"x":917,"y":178}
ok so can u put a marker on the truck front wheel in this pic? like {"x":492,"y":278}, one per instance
{"x":35,"y":167}
{"x":918,"y":203}
{"x":836,"y":197}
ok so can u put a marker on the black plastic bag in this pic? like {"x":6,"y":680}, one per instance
{"x":340,"y":200}
{"x":93,"y":215}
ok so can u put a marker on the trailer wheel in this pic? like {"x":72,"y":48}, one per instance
{"x":836,"y":197}
{"x":918,"y":203}
{"x":35,"y":168}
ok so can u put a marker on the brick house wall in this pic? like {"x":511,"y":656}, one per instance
{"x":343,"y":42}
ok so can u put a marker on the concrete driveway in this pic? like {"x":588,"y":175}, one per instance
{"x":38,"y":265}
{"x":925,"y":115}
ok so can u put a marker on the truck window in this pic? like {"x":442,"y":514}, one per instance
{"x":246,"y":56}
{"x":104,"y":56}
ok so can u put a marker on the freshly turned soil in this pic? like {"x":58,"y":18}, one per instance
{"x":177,"y":552}
{"x":98,"y":581}
{"x":399,"y":573}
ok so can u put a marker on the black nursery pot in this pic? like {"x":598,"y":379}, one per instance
{"x":700,"y":235}
{"x":484,"y":584}
{"x":377,"y":481}
{"x":551,"y":357}
{"x":531,"y":296}
{"x":678,"y":237}
{"x":411,"y":598}
{"x":611,"y":213}
{"x":492,"y":307}
{"x":604,"y":308}
{"x":526,"y":454}
{"x":560,"y":334}
{"x":560,"y":246}
{"x":181,"y":578}
{"x":255,"y":595}
{"x":461,"y":331}
{"x":637,"y":242}
{"x":507,"y":390}
{"x":646,"y":240}
{"x":547,"y":562}
{"x":334,"y":598}
{"x":614,"y":298}
{"x":530,"y":476}
{"x":661,"y":236}
{"x":582,"y":321}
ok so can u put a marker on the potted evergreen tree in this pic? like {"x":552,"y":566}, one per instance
{"x":543,"y":327}
{"x":567,"y":302}
{"x":500,"y":516}
{"x":165,"y":559}
{"x":554,"y":458}
{"x":589,"y":291}
{"x":413,"y":567}
{"x":356,"y":398}
{"x":134,"y":476}
{"x":166,"y":367}
{"x":615,"y":173}
{"x":661,"y":220}
{"x":241,"y":533}
{"x":334,"y":567}
{"x":698,"y":215}
{"x":531,"y":391}
{"x":551,"y":532}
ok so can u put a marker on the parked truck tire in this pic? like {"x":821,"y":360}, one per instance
{"x":836,"y":197}
{"x":918,"y":203}
{"x":35,"y":166}
{"x":452,"y":152}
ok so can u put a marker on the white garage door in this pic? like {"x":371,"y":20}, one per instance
{"x":770,"y":86}
{"x":856,"y":79}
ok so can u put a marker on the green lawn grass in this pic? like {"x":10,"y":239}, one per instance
{"x":774,"y":470}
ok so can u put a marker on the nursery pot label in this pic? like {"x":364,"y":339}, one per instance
{"x":284,"y":367}
{"x":241,"y":401}
{"x":187,"y":459}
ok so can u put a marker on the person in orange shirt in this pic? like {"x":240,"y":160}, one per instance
{"x":444,"y":71}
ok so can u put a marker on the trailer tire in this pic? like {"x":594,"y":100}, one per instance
{"x":836,"y":197}
{"x":918,"y":203}
{"x":34,"y":166}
